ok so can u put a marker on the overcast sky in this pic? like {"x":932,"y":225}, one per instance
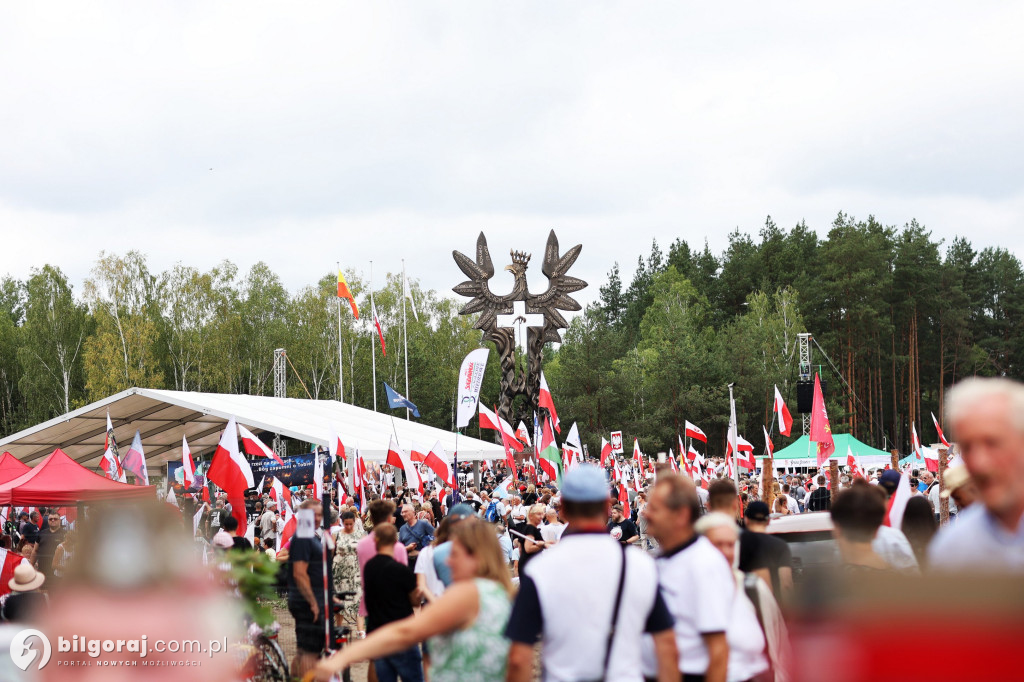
{"x":302,"y":133}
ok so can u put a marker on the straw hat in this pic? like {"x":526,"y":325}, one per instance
{"x":26,"y":578}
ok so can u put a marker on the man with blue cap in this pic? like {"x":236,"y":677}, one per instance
{"x":588,"y":599}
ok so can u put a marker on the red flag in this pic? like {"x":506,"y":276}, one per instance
{"x":255,"y":447}
{"x":821,"y":431}
{"x":782,"y":414}
{"x":938,"y":429}
{"x":606,"y":451}
{"x":695,"y":433}
{"x":624,"y":501}
{"x":545,"y":400}
{"x":417,"y":454}
{"x":506,"y":442}
{"x":9,"y":560}
{"x":376,"y":323}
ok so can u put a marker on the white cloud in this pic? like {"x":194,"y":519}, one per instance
{"x":359,"y":131}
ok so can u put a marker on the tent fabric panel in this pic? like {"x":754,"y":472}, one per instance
{"x":58,"y":480}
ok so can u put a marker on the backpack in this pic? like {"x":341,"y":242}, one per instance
{"x":492,"y":512}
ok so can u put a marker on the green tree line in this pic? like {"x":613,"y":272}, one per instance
{"x":898,"y":316}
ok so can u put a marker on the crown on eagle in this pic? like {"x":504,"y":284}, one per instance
{"x":520,"y":257}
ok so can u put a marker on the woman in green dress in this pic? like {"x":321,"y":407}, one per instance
{"x":463,"y":645}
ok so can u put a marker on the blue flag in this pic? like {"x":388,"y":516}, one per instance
{"x":396,"y":399}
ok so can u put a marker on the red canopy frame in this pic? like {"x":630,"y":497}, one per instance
{"x":60,"y":481}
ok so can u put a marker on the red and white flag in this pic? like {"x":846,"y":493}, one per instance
{"x":851,"y":462}
{"x":522,"y":435}
{"x":782,"y":414}
{"x":188,"y":467}
{"x":745,"y":454}
{"x":695,"y":433}
{"x":545,"y":400}
{"x":398,"y":457}
{"x":673,"y":463}
{"x":111,"y":461}
{"x":255,"y":447}
{"x":228,"y":468}
{"x":135,"y":461}
{"x":606,"y":450}
{"x":376,"y":323}
{"x":418,"y":453}
{"x":915,"y":442}
{"x":437,"y":460}
{"x":898,"y":502}
{"x":938,"y":429}
{"x":318,"y":476}
{"x":638,"y":457}
{"x":769,"y":446}
{"x":9,"y":560}
{"x":490,"y":420}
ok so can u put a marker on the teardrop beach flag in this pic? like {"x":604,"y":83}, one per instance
{"x":343,"y":292}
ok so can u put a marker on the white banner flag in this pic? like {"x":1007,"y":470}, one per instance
{"x":471,"y":376}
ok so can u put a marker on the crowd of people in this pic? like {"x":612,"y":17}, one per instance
{"x":681,"y":582}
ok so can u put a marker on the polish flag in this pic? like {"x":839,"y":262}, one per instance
{"x":898,"y":502}
{"x":938,"y":429}
{"x":743,"y":446}
{"x":638,"y":456}
{"x":931,"y":459}
{"x":417,"y":453}
{"x":522,"y":435}
{"x":507,"y":442}
{"x":490,"y":420}
{"x":398,"y":457}
{"x":380,"y":331}
{"x":768,"y":443}
{"x":135,"y":461}
{"x":188,"y":467}
{"x":335,"y":447}
{"x":695,"y":433}
{"x":544,"y":400}
{"x":111,"y":461}
{"x":606,"y":450}
{"x":915,"y":442}
{"x":228,"y":468}
{"x":695,"y":456}
{"x":851,"y":462}
{"x":255,"y":447}
{"x":437,"y":460}
{"x":318,"y":476}
{"x":782,"y":414}
{"x":672,"y":461}
{"x":9,"y":560}
{"x":280,"y":493}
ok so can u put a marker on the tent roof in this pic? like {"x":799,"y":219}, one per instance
{"x":11,"y":467}
{"x":59,"y":480}
{"x":163,"y":417}
{"x":799,"y":449}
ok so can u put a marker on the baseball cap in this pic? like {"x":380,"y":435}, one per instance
{"x":585,"y":483}
{"x":757,"y":511}
{"x":890,"y":480}
{"x":953,"y":478}
{"x":461,"y":511}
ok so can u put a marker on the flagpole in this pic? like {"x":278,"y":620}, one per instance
{"x":373,"y":350}
{"x":341,"y":363}
{"x":405,"y":340}
{"x":734,"y":428}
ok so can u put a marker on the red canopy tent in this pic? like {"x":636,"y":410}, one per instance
{"x":59,"y":480}
{"x":11,"y":468}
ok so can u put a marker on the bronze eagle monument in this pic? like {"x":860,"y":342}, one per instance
{"x":499,"y":317}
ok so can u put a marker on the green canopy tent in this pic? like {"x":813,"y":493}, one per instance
{"x":803,"y":453}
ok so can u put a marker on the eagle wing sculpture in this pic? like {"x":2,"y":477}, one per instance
{"x":476,"y":287}
{"x":560,"y":285}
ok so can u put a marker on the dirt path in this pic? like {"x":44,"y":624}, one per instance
{"x":286,"y":638}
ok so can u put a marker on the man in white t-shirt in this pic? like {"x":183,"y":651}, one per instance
{"x":573,"y":619}
{"x":695,"y":579}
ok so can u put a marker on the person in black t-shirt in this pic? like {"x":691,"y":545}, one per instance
{"x":390,"y":591}
{"x":763,"y":554}
{"x":49,"y":538}
{"x":528,"y":549}
{"x":821,"y":498}
{"x":621,"y":528}
{"x":306,"y":594}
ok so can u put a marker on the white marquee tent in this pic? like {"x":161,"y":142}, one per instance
{"x":163,"y":417}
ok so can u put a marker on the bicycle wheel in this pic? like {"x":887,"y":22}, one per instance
{"x":273,"y":666}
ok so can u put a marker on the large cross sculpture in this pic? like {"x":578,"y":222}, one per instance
{"x":518,"y":319}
